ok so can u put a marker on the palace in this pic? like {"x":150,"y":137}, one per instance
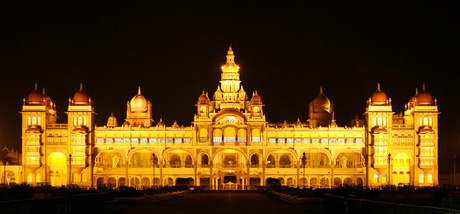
{"x":230,"y":145}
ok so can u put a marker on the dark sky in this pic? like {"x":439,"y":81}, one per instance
{"x":285,"y":52}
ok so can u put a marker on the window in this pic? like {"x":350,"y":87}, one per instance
{"x":333,"y":140}
{"x":290,"y":140}
{"x":280,"y":140}
{"x":161,"y":140}
{"x":39,"y":121}
{"x":126,"y":140}
{"x":217,"y":139}
{"x":242,"y":139}
{"x":272,"y":140}
{"x":109,"y":140}
{"x":187,"y":140}
{"x":152,"y":140}
{"x":177,"y":140}
{"x":135,"y":140}
{"x":430,"y":178}
{"x":169,"y":140}
{"x":421,"y":179}
{"x":29,"y":121}
{"x":117,"y":140}
{"x":379,"y":121}
{"x":359,"y":140}
{"x":298,"y":140}
{"x":143,"y":140}
{"x":341,"y":140}
{"x":324,"y":140}
{"x":315,"y":140}
{"x":100,"y":140}
{"x":376,"y":178}
{"x":350,"y":140}
{"x":306,"y":140}
{"x":256,"y":139}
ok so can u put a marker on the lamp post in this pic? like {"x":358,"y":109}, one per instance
{"x":154,"y":157}
{"x":455,"y":176}
{"x":70,"y":169}
{"x":389,"y":176}
{"x":304,"y":161}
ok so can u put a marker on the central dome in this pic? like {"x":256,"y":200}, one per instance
{"x":378,"y":97}
{"x":321,"y":102}
{"x":139,"y":103}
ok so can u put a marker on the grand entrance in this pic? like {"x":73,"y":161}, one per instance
{"x":231,"y":182}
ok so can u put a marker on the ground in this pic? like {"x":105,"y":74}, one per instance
{"x":218,"y":202}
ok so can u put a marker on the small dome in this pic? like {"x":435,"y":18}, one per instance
{"x":203,"y":98}
{"x":256,"y":98}
{"x":378,"y":97}
{"x":126,"y":123}
{"x":161,"y":123}
{"x":35,"y":97}
{"x":81,"y":98}
{"x":139,"y":103}
{"x":298,"y":123}
{"x":112,"y":121}
{"x":48,"y":101}
{"x":424,"y":98}
{"x":175,"y":125}
{"x":333,"y":123}
{"x":321,"y":102}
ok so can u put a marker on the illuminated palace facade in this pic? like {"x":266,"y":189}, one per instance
{"x":230,"y":144}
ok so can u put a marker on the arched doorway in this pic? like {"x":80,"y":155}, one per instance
{"x":100,"y":183}
{"x":111,"y":182}
{"x":57,"y":163}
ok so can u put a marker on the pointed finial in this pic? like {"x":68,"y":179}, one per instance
{"x":378,"y":86}
{"x":321,"y":89}
{"x":81,"y":86}
{"x":416,"y":91}
{"x":139,"y":90}
{"x":230,"y":46}
{"x":35,"y":86}
{"x":111,"y":114}
{"x":43,"y":90}
{"x":423,"y":86}
{"x":256,"y":91}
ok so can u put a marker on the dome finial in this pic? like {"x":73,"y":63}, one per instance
{"x":416,"y":91}
{"x":35,"y":86}
{"x":81,"y":86}
{"x":423,"y":86}
{"x":139,"y":90}
{"x":321,"y":89}
{"x":378,"y":86}
{"x":43,"y":90}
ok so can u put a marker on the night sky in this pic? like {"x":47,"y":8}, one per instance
{"x":285,"y":52}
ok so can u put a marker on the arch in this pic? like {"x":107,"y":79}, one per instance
{"x":291,"y":152}
{"x":337,"y":181}
{"x":317,"y":159}
{"x":289,"y":181}
{"x":135,"y":181}
{"x":271,"y":161}
{"x":218,"y":152}
{"x":255,"y":160}
{"x":100,"y":182}
{"x":110,"y":159}
{"x":256,"y":133}
{"x":359,"y":182}
{"x":141,"y":159}
{"x":174,"y":161}
{"x":188,"y":161}
{"x":285,"y":161}
{"x":57,"y":159}
{"x":229,"y":135}
{"x":349,"y":159}
{"x":324,"y":182}
{"x":217,"y":133}
{"x":121,"y":181}
{"x":111,"y":182}
{"x":203,"y":133}
{"x":347,"y":182}
{"x":145,"y":182}
{"x":204,"y":160}
{"x":241,"y":132}
{"x":313,"y":181}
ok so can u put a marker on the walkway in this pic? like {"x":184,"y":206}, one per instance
{"x":239,"y":202}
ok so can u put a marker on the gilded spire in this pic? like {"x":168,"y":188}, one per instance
{"x":36,"y":86}
{"x":81,"y":86}
{"x":378,"y":86}
{"x":321,"y":89}
{"x":139,"y":90}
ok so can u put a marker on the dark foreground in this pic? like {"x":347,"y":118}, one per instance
{"x":217,"y":202}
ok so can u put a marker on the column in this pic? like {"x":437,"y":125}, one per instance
{"x":263,"y":173}
{"x":211,"y":177}
{"x":127,"y":173}
{"x":161,"y":173}
{"x":298,"y":174}
{"x":332,"y":175}
{"x":248,"y":179}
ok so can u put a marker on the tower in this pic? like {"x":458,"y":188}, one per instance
{"x":139,"y":111}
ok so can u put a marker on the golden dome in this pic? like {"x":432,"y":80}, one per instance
{"x":321,"y":102}
{"x":112,"y":121}
{"x":81,"y":98}
{"x":298,"y":123}
{"x":203,"y":98}
{"x":424,"y":98}
{"x":256,"y":98}
{"x":230,"y":66}
{"x":378,"y":97}
{"x":35,"y":97}
{"x":381,"y":130}
{"x":175,"y":125}
{"x":161,"y":123}
{"x":139,"y":103}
